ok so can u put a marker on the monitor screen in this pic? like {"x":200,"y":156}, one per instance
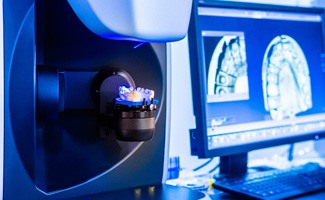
{"x":258,"y":76}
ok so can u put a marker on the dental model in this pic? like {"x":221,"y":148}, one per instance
{"x":286,"y":79}
{"x":138,"y":94}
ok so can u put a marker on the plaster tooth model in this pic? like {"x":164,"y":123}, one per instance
{"x":138,"y":94}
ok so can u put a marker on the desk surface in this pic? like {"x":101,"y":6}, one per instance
{"x":168,"y":192}
{"x":311,"y":196}
{"x":157,"y":192}
{"x":202,"y":179}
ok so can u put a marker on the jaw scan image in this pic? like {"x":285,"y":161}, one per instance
{"x":228,"y":67}
{"x":286,"y":80}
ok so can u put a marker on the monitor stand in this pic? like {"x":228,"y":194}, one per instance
{"x":233,"y":164}
{"x":237,"y":164}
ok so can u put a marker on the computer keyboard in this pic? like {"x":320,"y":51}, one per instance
{"x":275,"y":184}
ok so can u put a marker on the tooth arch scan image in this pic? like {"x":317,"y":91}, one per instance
{"x":228,"y":67}
{"x":286,"y":80}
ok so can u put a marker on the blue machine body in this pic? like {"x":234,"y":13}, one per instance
{"x":53,"y":147}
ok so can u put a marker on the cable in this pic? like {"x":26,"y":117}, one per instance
{"x":203,"y":165}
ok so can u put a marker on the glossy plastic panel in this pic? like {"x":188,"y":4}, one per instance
{"x":140,"y":20}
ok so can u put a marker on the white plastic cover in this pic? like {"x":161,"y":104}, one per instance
{"x":140,"y":20}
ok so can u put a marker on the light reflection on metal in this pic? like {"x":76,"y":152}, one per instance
{"x":137,"y":193}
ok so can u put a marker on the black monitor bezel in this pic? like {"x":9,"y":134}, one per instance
{"x":198,"y":139}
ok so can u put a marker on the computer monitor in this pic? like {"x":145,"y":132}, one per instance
{"x":258,"y":78}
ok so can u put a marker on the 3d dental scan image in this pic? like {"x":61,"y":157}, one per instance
{"x":286,"y":79}
{"x":226,"y":66}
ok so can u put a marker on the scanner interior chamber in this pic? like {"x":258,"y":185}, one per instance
{"x":66,"y":149}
